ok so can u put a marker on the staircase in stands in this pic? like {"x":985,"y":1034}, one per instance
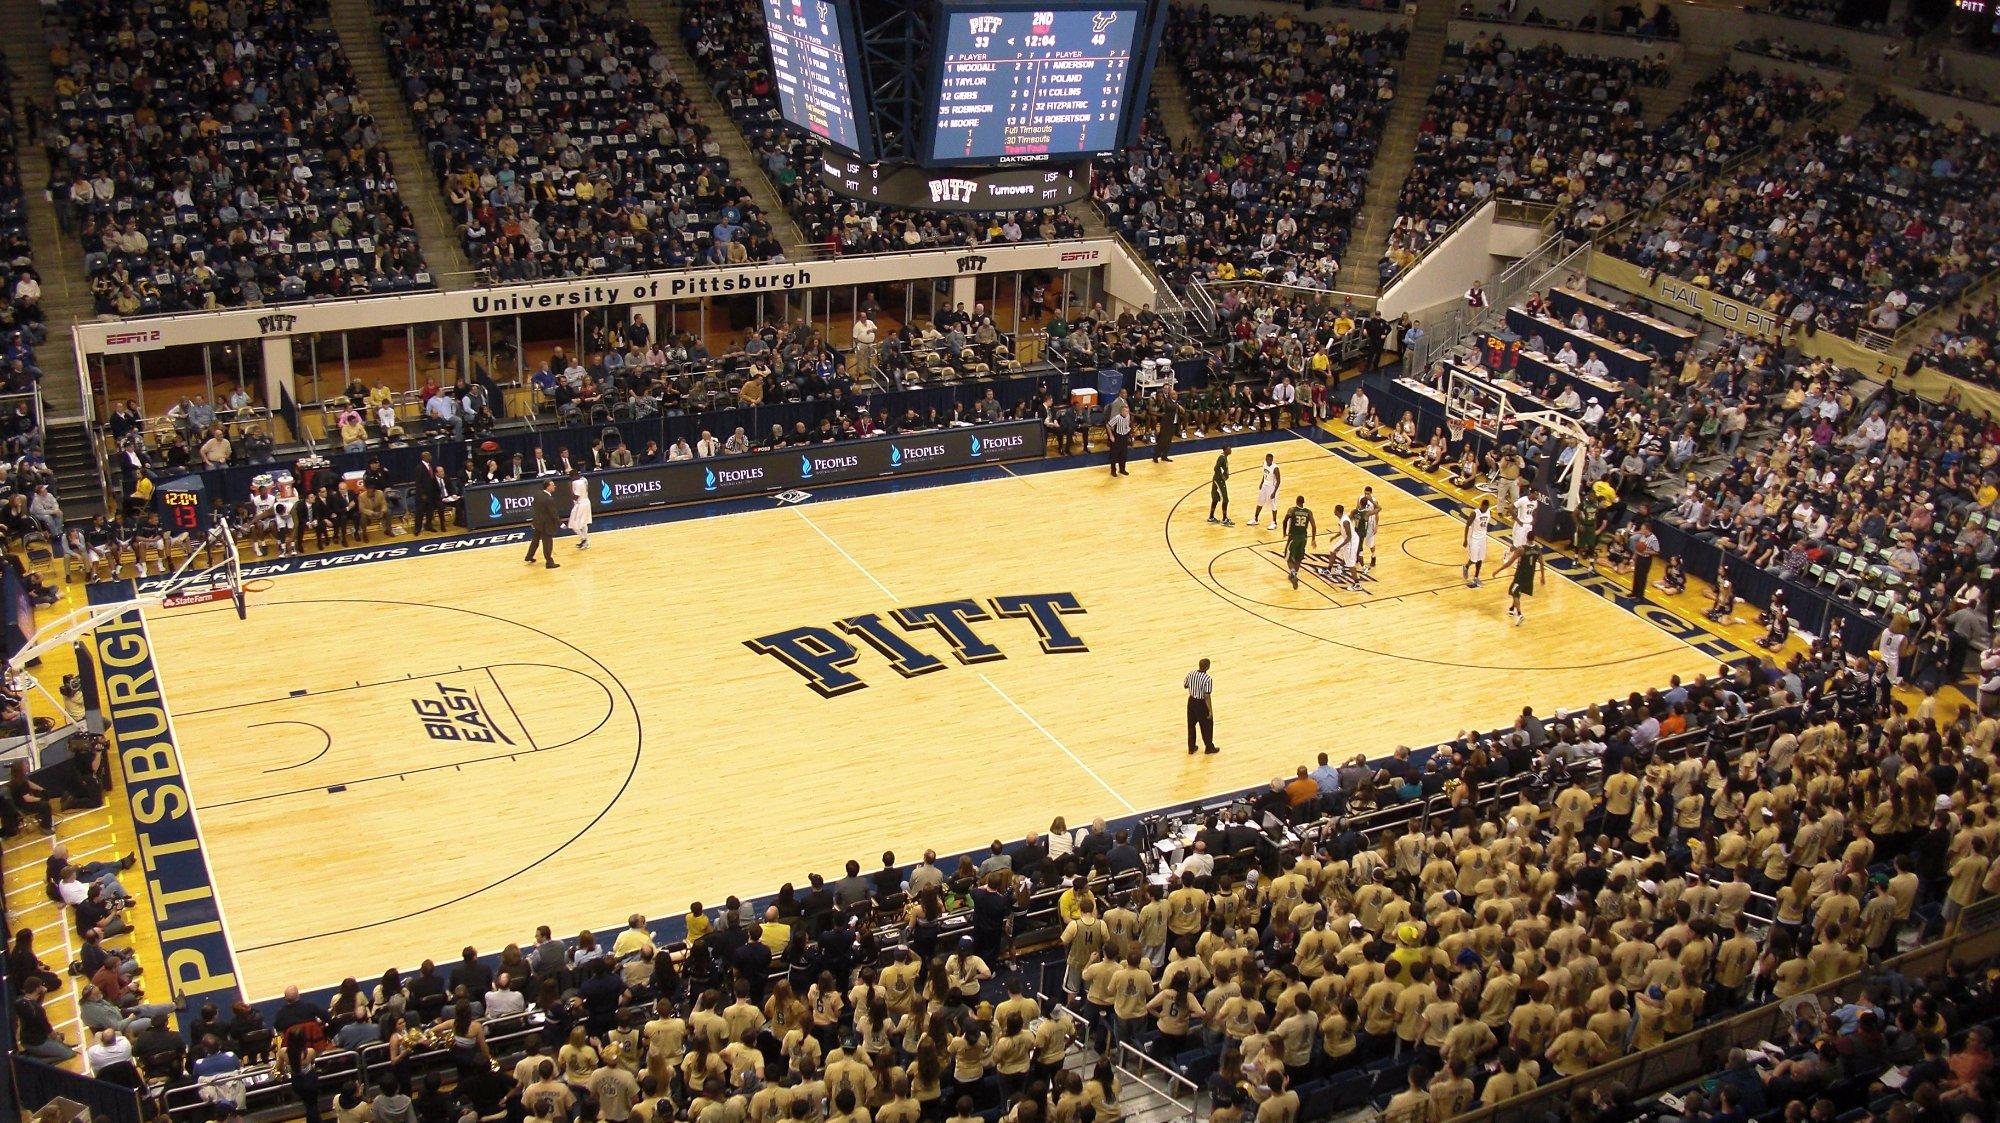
{"x":663,"y":19}
{"x":1170,"y":88}
{"x":1423,"y":60}
{"x":416,"y":179}
{"x":66,"y":298}
{"x":1656,"y":105}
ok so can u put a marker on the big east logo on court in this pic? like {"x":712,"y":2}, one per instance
{"x":822,"y":656}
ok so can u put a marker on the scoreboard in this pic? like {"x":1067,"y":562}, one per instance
{"x":951,"y":104}
{"x":1035,"y":83}
{"x":815,"y":65}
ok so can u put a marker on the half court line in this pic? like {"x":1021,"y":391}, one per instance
{"x":995,"y":687}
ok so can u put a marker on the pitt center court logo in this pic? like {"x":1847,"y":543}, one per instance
{"x":823,"y":656}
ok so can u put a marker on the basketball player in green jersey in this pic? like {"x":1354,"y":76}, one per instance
{"x":1300,"y":529}
{"x":1218,"y":489}
{"x":1526,"y":570}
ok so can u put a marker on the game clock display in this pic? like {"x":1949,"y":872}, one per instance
{"x":1040,"y":82}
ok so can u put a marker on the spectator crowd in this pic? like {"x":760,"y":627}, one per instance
{"x":218,"y":155}
{"x":1288,"y":114}
{"x":564,"y":142}
{"x":1592,"y":883}
{"x":1543,"y":124}
{"x":1842,"y":232}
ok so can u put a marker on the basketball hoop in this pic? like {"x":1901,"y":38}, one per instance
{"x":1460,"y":426}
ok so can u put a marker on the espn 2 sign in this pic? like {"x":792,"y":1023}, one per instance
{"x":1073,"y":258}
{"x":138,"y":339}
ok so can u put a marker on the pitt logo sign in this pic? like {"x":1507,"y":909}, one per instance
{"x":822,"y":656}
{"x":276,"y":322}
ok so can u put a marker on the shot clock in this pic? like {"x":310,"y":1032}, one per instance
{"x":183,"y":506}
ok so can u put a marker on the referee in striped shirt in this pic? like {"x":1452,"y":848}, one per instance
{"x":1201,"y":710}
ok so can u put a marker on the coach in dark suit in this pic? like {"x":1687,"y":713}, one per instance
{"x":543,"y":519}
{"x":428,"y":496}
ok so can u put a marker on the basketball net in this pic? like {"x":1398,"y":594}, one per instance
{"x":222,"y":580}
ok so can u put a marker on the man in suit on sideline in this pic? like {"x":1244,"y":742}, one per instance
{"x":543,"y":520}
{"x":428,"y":495}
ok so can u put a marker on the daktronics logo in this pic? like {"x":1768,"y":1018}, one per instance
{"x":1071,"y":257}
{"x":810,"y":464}
{"x":609,"y":493}
{"x":917,"y":454}
{"x":133,"y":338}
{"x":712,"y":479}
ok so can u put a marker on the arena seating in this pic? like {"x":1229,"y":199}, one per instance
{"x":1625,"y":19}
{"x":1289,"y":114}
{"x":1846,"y":232}
{"x":1527,"y":121}
{"x":1785,"y":50}
{"x":1842,"y":13}
{"x":1967,"y":348}
{"x":1538,"y":123}
{"x":21,"y":319}
{"x":220,"y":156}
{"x":564,"y":143}
{"x":1420,"y":934}
{"x":726,"y":38}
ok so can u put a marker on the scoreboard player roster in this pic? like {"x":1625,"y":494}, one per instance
{"x":810,"y":64}
{"x":1032,"y":83}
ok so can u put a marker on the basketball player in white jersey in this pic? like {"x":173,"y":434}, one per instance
{"x":282,"y":507}
{"x":1346,"y":551}
{"x":1267,"y":492}
{"x":263,"y":512}
{"x":1475,"y":542}
{"x":1367,"y":516}
{"x":1525,"y":506}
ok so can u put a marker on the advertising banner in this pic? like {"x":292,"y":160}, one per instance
{"x":689,"y":481}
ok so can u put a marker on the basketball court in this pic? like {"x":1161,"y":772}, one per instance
{"x":389,"y":761}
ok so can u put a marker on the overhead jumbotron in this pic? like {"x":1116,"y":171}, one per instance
{"x":965,"y":105}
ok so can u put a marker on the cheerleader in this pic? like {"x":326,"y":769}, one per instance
{"x":1780,"y":629}
{"x":1465,"y":473}
{"x":1676,"y":579}
{"x":579,"y":507}
{"x":1405,"y":437}
{"x":1724,"y":603}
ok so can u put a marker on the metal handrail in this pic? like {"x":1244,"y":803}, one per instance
{"x":1359,"y":298}
{"x":1135,"y":1067}
{"x":1502,"y":21}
